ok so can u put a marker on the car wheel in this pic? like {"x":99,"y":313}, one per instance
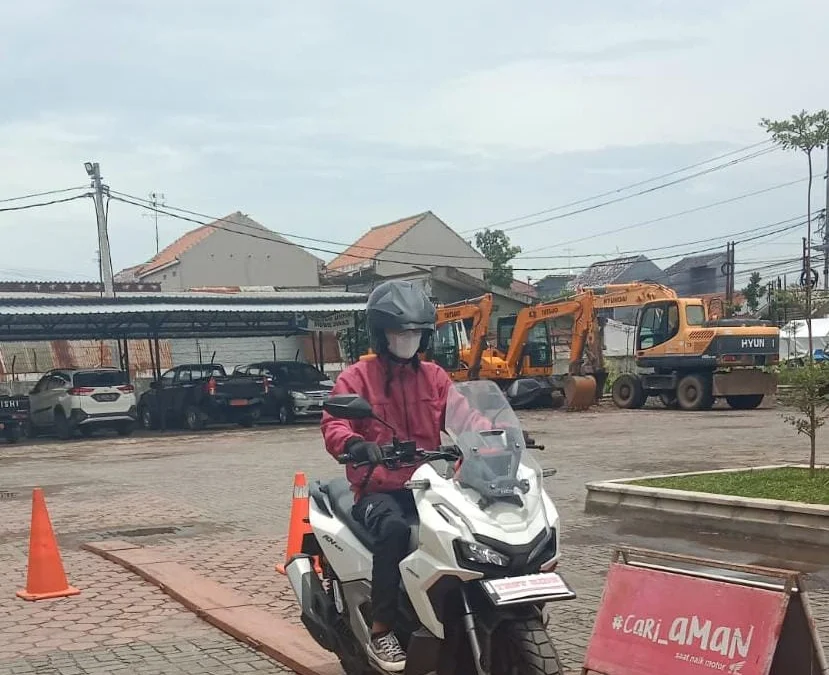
{"x":147,"y":419}
{"x":13,"y":433}
{"x":62,"y":429}
{"x":286,"y":414}
{"x":193,"y":419}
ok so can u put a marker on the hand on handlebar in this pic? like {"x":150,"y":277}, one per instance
{"x":361,"y":452}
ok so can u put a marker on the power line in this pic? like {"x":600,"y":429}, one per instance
{"x":148,"y":204}
{"x":256,"y":235}
{"x":669,"y":216}
{"x":42,"y":194}
{"x":34,"y":206}
{"x":639,"y":193}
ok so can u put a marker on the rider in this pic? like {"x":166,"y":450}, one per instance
{"x":410,"y":396}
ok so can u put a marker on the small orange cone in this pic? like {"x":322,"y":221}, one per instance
{"x":300,"y":524}
{"x":46,"y":578}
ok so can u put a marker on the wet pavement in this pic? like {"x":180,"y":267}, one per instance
{"x":221,"y":500}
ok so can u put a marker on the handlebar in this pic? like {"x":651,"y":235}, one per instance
{"x":395,"y":452}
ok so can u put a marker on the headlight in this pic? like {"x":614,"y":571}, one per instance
{"x":299,"y":396}
{"x":473,"y":552}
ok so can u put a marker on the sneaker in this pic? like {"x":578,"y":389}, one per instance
{"x":387,"y":652}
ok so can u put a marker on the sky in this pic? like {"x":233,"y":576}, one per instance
{"x":323,"y":119}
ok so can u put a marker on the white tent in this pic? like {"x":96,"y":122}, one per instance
{"x":794,"y":338}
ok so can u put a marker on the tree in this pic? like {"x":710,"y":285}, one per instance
{"x":496,"y":247}
{"x":753,"y":292}
{"x":804,"y":132}
{"x":806,"y":393}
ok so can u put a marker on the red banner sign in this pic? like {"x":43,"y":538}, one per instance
{"x":657,"y":623}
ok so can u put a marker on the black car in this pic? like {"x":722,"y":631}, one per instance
{"x":195,"y":394}
{"x":295,"y":389}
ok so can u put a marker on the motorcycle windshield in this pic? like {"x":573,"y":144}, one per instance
{"x":496,"y":468}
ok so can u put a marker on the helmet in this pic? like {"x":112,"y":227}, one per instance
{"x":399,"y":305}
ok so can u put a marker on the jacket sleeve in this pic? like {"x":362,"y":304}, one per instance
{"x":337,"y":432}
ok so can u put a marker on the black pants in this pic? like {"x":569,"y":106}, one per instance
{"x":384,"y":515}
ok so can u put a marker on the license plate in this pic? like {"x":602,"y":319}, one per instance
{"x":238,"y":402}
{"x":531,"y":588}
{"x":105,"y":398}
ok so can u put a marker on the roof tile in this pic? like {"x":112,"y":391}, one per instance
{"x":375,"y":241}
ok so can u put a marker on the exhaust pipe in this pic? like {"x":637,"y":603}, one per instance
{"x":318,"y":613}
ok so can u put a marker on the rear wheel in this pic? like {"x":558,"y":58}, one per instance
{"x":62,"y":429}
{"x":285,"y":414}
{"x":694,"y":393}
{"x":147,"y":419}
{"x":193,"y":418}
{"x":524,"y":648}
{"x":628,"y":392}
{"x":13,"y":433}
{"x":745,"y":401}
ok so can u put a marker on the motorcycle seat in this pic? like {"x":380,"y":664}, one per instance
{"x":342,"y":500}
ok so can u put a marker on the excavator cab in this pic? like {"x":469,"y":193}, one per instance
{"x":537,"y":352}
{"x":446,"y":346}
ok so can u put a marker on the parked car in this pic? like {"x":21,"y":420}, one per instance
{"x":295,"y":389}
{"x":194,"y":394}
{"x":14,"y":410}
{"x":68,"y":400}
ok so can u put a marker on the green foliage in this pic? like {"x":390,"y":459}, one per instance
{"x":806,"y":397}
{"x":753,"y":292}
{"x":496,"y":247}
{"x":803,"y":131}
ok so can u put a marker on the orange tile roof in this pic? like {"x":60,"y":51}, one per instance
{"x":373,"y":242}
{"x":169,"y":255}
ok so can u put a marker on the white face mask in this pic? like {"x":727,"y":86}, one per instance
{"x":404,"y":345}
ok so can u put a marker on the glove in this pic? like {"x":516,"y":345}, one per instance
{"x":364,"y":451}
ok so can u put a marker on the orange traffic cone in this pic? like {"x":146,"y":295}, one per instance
{"x":300,"y":524}
{"x":46,"y":578}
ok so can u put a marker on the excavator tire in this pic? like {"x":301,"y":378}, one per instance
{"x":745,"y":401}
{"x":579,"y":392}
{"x":694,"y":392}
{"x":628,"y":392}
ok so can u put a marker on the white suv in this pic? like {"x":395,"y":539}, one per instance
{"x":69,"y":400}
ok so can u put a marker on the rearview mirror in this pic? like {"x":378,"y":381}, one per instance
{"x":348,"y":407}
{"x":523,"y":391}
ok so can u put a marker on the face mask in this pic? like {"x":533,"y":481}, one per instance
{"x":404,"y":345}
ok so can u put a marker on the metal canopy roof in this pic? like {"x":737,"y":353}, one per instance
{"x":30,"y":316}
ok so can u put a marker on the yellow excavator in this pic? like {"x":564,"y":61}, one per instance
{"x":687,"y":355}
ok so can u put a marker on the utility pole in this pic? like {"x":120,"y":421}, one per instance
{"x":826,"y":227}
{"x":156,"y":200}
{"x":728,"y":271}
{"x":93,"y":170}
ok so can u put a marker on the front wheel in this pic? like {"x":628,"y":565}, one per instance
{"x":13,"y":433}
{"x":627,"y":392}
{"x":193,"y":419}
{"x":524,"y":648}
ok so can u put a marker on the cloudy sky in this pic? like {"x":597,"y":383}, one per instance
{"x":325,"y":118}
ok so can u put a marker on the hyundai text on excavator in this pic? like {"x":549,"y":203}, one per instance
{"x":688,"y":358}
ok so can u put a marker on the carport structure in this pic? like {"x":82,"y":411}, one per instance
{"x":156,"y":316}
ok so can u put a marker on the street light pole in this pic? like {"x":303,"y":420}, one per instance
{"x":93,"y":170}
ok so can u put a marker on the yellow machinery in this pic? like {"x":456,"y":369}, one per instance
{"x":687,"y":358}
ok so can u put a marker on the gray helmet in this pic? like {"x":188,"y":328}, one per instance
{"x":399,"y":305}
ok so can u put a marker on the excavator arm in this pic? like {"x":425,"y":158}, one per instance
{"x":630,"y":295}
{"x":479,"y":310}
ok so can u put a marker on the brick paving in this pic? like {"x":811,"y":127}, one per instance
{"x":220,"y":501}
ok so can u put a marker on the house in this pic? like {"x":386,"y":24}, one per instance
{"x":553,"y":285}
{"x":524,"y":288}
{"x":232,"y":251}
{"x":619,"y":271}
{"x":405,"y":246}
{"x":697,"y":275}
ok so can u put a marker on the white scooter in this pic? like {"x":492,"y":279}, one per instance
{"x":483,"y":550}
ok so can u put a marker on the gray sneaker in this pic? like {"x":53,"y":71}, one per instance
{"x":387,"y":652}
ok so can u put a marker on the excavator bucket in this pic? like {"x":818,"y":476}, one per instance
{"x":579,"y":392}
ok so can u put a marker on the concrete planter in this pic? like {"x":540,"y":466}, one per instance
{"x":794,"y":522}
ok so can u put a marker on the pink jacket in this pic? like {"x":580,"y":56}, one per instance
{"x":415,"y":406}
